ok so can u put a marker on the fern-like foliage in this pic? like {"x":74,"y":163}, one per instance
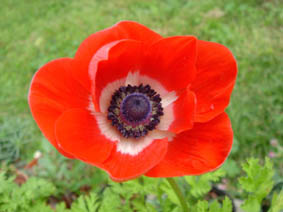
{"x":29,"y":197}
{"x":143,"y":194}
{"x":204,"y":206}
{"x":257,"y":182}
{"x":277,"y":202}
{"x":200,"y":185}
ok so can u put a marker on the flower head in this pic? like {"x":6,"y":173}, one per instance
{"x":132,"y":102}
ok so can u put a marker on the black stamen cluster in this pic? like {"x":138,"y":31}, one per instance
{"x":128,"y":124}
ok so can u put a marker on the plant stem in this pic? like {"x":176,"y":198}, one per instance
{"x":179,"y":194}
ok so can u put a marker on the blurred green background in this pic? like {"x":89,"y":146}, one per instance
{"x":33,"y":32}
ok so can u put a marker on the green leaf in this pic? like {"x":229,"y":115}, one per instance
{"x":61,"y":207}
{"x":201,"y":206}
{"x":165,"y":186}
{"x":86,"y":203}
{"x":277,"y":202}
{"x":215,"y":207}
{"x":251,"y":205}
{"x":150,"y":208}
{"x":6,"y":184}
{"x":200,"y":185}
{"x":31,"y":196}
{"x":257,"y":182}
{"x":227,"y":205}
{"x":111,"y":201}
{"x":231,"y":168}
{"x":40,"y":206}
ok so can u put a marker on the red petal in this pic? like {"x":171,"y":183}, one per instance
{"x":121,"y":30}
{"x":197,"y":151}
{"x":123,"y":167}
{"x":113,"y":62}
{"x":77,"y":133}
{"x":215,"y":78}
{"x":184,"y":111}
{"x":172,"y":61}
{"x":53,"y":91}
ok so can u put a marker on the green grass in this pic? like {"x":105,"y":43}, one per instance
{"x":36,"y":31}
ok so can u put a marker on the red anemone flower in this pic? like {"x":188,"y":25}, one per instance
{"x":134,"y":103}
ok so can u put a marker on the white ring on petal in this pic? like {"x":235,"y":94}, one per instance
{"x":129,"y":146}
{"x":107,"y":92}
{"x":154,"y":84}
{"x":106,"y":128}
{"x":134,"y":146}
{"x":133,"y":79}
{"x":167,"y":119}
{"x":136,"y":79}
{"x":169,"y":98}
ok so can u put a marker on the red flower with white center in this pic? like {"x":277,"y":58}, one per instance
{"x":132,"y":102}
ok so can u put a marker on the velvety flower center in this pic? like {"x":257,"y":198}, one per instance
{"x":135,"y":110}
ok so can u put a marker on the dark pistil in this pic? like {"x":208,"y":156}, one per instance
{"x":135,"y":110}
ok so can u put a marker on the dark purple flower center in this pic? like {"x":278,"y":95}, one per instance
{"x":135,"y":110}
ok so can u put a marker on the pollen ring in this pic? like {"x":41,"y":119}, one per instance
{"x":135,"y":110}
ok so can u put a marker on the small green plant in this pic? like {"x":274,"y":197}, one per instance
{"x":257,"y":182}
{"x":29,"y":197}
{"x":14,"y":134}
{"x":145,"y":194}
{"x":201,"y":185}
